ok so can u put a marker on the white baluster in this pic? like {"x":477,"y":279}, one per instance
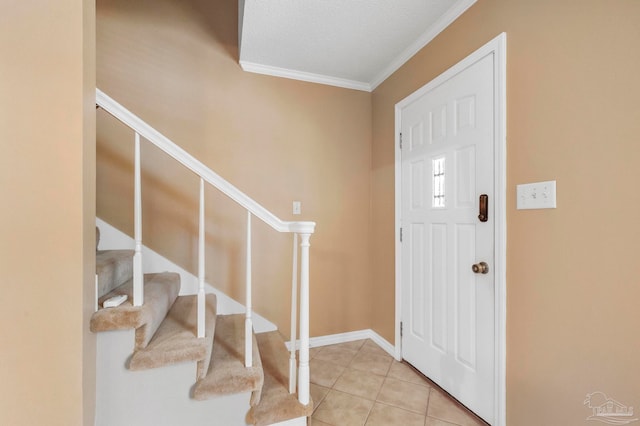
{"x":201,"y":244}
{"x":303,"y":369}
{"x":138,"y":278}
{"x":294,"y":316}
{"x":248,"y":325}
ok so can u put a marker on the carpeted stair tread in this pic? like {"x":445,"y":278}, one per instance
{"x":276,"y":403}
{"x":113,"y":268}
{"x":176,"y":340}
{"x":227,"y":373}
{"x":160,"y":291}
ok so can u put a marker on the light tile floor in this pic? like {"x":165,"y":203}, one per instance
{"x":358,"y":383}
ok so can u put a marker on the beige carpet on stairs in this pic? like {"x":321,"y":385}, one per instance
{"x":276,"y":403}
{"x":160,"y":291}
{"x":176,"y":340}
{"x":227,"y":373}
{"x":166,"y":333}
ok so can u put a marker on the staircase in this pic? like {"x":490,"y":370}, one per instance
{"x":165,"y":333}
{"x":170,"y":359}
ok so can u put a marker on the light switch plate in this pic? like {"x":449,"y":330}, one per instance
{"x":297,"y":207}
{"x":537,"y":195}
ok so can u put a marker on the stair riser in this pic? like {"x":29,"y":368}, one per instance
{"x":113,"y":268}
{"x":176,"y":339}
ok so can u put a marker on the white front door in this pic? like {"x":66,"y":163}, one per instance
{"x":447,"y":165}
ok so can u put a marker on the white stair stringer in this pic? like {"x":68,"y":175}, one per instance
{"x":112,"y":238}
{"x":155,"y":397}
{"x":299,"y":421}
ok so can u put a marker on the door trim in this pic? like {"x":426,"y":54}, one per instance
{"x":497,"y":47}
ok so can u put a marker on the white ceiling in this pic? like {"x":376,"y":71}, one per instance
{"x":347,"y":43}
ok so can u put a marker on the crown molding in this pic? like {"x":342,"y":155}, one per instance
{"x":304,"y":76}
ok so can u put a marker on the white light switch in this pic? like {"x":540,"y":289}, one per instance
{"x":538,"y":195}
{"x":297,"y":208}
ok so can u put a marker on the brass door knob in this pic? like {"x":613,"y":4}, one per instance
{"x":480,"y":268}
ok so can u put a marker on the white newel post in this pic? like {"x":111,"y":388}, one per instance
{"x":248,"y":325}
{"x":294,"y":316}
{"x":201,"y":244}
{"x":303,"y":369}
{"x":138,"y":278}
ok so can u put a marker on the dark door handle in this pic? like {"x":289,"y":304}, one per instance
{"x":484,"y":208}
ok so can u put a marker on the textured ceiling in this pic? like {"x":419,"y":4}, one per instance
{"x":347,"y":43}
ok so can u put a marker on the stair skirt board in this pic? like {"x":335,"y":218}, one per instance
{"x":300,"y":421}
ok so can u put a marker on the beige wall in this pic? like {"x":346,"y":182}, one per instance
{"x":175,"y":64}
{"x":47,"y":166}
{"x":572,"y":116}
{"x":572,"y":274}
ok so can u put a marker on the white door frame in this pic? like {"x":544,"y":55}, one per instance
{"x":497,"y":47}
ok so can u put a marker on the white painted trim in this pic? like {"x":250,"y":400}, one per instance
{"x":248,"y":326}
{"x":500,"y":52}
{"x":304,"y":76}
{"x":351,"y":336}
{"x":498,"y":48}
{"x":304,"y":374}
{"x":398,"y":224}
{"x":112,"y":238}
{"x":445,"y":20}
{"x":201,"y":263}
{"x":190,"y":162}
{"x":298,"y":421}
{"x":138,"y":278}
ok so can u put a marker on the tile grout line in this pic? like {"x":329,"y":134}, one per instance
{"x":426,"y":413}
{"x":377,"y":394}
{"x":428,"y":384}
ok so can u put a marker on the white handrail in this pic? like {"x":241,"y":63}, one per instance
{"x":300,"y":229}
{"x":193,"y":164}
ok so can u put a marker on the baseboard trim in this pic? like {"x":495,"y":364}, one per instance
{"x":350,"y":336}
